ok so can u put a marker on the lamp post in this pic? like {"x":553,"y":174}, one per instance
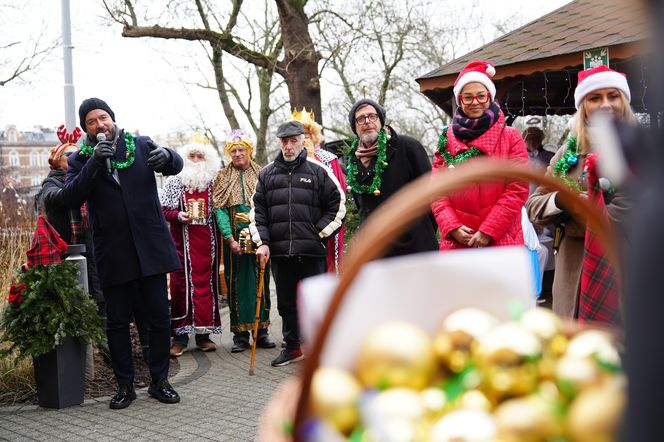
{"x":70,"y":116}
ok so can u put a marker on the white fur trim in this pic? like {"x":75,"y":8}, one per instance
{"x":601,"y":80}
{"x":490,"y":71}
{"x":474,"y":77}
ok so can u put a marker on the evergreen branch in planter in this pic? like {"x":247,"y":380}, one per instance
{"x":46,"y":306}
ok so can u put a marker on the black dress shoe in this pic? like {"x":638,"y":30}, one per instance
{"x":123,"y":397}
{"x":240,"y":346}
{"x":265,"y":342}
{"x":163,"y":392}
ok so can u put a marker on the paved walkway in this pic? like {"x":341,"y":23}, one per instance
{"x":220,"y":402}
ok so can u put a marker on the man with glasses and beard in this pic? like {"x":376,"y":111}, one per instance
{"x":379,"y":164}
{"x":187,"y":205}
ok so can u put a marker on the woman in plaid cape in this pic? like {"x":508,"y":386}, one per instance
{"x":585,"y":286}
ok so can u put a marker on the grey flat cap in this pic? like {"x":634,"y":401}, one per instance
{"x":289,"y":129}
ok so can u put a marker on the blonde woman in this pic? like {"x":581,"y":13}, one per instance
{"x":599,"y":89}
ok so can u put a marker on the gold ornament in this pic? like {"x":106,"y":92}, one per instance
{"x":575,"y":374}
{"x":596,"y":414}
{"x":457,"y":334}
{"x":376,"y":192}
{"x":507,"y":358}
{"x":393,"y":414}
{"x":464,"y":425}
{"x":543,"y":322}
{"x":529,"y":418}
{"x":594,"y":344}
{"x":197,"y":211}
{"x":475,"y":400}
{"x":396,"y":354}
{"x":334,"y":397}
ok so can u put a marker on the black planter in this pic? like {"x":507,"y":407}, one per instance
{"x":60,"y":375}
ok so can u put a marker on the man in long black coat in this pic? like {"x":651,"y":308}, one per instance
{"x":133,"y":246}
{"x":380,"y":163}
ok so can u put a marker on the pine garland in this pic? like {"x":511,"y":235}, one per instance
{"x":458,"y":158}
{"x":130,"y":154}
{"x":46,"y":306}
{"x":381,"y":165}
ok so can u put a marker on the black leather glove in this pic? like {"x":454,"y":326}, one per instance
{"x":158,"y":157}
{"x":103,"y":150}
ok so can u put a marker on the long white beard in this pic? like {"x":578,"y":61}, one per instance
{"x":196,"y":176}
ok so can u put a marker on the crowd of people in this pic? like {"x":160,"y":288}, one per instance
{"x":287,"y":218}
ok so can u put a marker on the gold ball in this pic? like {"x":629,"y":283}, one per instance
{"x":526,"y":419}
{"x":376,"y":192}
{"x":458,"y":333}
{"x":596,"y":414}
{"x":396,"y":354}
{"x":334,"y":397}
{"x":507,"y":344}
{"x":464,"y":425}
{"x":594,"y":344}
{"x":543,"y":322}
{"x":395,"y":412}
{"x":575,"y":374}
{"x":507,"y":358}
{"x":475,"y":400}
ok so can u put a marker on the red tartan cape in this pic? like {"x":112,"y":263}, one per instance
{"x":47,"y":246}
{"x":599,"y":299}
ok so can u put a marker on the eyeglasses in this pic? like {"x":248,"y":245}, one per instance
{"x":362,"y":119}
{"x":481,"y":99}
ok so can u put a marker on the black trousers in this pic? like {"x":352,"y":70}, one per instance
{"x":287,"y":273}
{"x":145,"y":298}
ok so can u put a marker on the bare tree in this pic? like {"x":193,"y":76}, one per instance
{"x":297,"y":63}
{"x":18,"y":56}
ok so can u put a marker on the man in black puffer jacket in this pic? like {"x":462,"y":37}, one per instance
{"x":297,"y":205}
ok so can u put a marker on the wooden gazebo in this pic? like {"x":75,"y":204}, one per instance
{"x":537,"y":64}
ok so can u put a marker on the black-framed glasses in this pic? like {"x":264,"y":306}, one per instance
{"x":481,"y":98}
{"x":362,"y":119}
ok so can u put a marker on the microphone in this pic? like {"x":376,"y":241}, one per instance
{"x":102,"y":137}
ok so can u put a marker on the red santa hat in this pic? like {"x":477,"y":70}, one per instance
{"x":600,"y":77}
{"x":476,"y":72}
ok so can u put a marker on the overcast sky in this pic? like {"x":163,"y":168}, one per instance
{"x":135,"y":76}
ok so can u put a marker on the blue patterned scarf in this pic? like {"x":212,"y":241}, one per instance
{"x":467,"y":129}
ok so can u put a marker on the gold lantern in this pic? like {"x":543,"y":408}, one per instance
{"x":197,"y":211}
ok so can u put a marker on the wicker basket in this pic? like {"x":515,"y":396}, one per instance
{"x":289,"y":406}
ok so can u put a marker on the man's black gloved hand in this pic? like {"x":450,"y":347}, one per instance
{"x":158,"y":157}
{"x":103,"y":150}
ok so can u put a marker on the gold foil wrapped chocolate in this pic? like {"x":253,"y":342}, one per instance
{"x":197,"y":211}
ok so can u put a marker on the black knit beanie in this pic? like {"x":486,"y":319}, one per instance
{"x":379,"y":110}
{"x":92,"y":104}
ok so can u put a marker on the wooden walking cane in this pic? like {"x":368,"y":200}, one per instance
{"x":259,"y":298}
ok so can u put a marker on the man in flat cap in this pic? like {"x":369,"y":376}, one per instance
{"x":297,"y":205}
{"x":114,"y":174}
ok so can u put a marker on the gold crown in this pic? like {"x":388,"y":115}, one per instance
{"x":199,"y":138}
{"x":305,"y":117}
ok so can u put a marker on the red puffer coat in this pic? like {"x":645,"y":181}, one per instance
{"x":492,"y":208}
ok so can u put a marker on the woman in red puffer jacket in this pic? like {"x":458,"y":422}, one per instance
{"x":485,"y":214}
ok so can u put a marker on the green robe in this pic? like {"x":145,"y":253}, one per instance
{"x":242,"y":273}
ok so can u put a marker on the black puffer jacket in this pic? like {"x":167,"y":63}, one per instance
{"x":296,"y":206}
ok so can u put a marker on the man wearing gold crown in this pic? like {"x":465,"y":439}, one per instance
{"x":380,"y":163}
{"x":313,"y":138}
{"x":187,"y":205}
{"x":232,"y":191}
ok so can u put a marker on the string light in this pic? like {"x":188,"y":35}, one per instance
{"x":569,"y":86}
{"x":546,"y":99}
{"x":523,"y":98}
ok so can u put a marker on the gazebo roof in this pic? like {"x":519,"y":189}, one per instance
{"x":545,"y":55}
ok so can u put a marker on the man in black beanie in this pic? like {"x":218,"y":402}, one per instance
{"x":380,"y":163}
{"x":114,"y":176}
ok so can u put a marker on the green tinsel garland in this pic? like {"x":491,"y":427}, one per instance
{"x":569,"y":159}
{"x":130,"y":154}
{"x":381,"y":165}
{"x":458,"y":158}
